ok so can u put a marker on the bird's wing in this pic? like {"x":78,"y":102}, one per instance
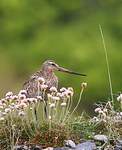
{"x":31,"y":85}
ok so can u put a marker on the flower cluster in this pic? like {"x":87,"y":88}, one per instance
{"x":107,"y":113}
{"x":16,"y":104}
{"x":19,"y":103}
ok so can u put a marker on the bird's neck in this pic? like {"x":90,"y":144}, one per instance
{"x":48,"y":73}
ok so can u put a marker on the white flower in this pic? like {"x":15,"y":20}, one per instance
{"x":53,"y":89}
{"x":44,"y":86}
{"x":69,"y":92}
{"x":40,"y":79}
{"x":100,"y":112}
{"x":49,"y":96}
{"x":83,"y":85}
{"x":2,"y":118}
{"x":16,"y":106}
{"x":55,"y":98}
{"x":105,"y":110}
{"x":1,"y":107}
{"x":63,"y":89}
{"x":21,"y":96}
{"x":65,"y":94}
{"x":104,"y":115}
{"x":7,"y":110}
{"x":50,"y":117}
{"x":70,"y":89}
{"x":120,"y":113}
{"x":119,"y":98}
{"x":21,"y":113}
{"x":63,"y":104}
{"x":95,"y":119}
{"x":39,"y":97}
{"x":59,"y":94}
{"x":22,"y":105}
{"x":8,"y":94}
{"x":32,"y":100}
{"x":3,"y":113}
{"x":97,"y":109}
{"x":14,"y":97}
{"x":8,"y":97}
{"x":52,"y":105}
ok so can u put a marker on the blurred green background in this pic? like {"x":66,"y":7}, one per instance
{"x":67,"y":31}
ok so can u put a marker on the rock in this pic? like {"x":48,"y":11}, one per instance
{"x":62,"y":148}
{"x":118,"y":145}
{"x":17,"y":147}
{"x":37,"y":147}
{"x":49,"y":148}
{"x":70,"y":144}
{"x":24,"y":147}
{"x":86,"y":146}
{"x":101,"y":138}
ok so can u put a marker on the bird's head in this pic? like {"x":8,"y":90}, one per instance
{"x":51,"y":66}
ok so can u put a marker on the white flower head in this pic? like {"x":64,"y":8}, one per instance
{"x":83,"y":85}
{"x":4,"y":113}
{"x":41,"y":80}
{"x":22,"y":105}
{"x":7,"y":110}
{"x":63,"y":89}
{"x":44,"y":86}
{"x":69,"y":92}
{"x":53,"y":89}
{"x":1,"y":106}
{"x":8,"y":98}
{"x":49,"y":96}
{"x":8,"y":94}
{"x":14,"y":97}
{"x":63,"y":104}
{"x":105,"y":110}
{"x":21,"y":113}
{"x":55,"y":98}
{"x":31,"y":100}
{"x":50,"y":117}
{"x":21,"y":96}
{"x":97,"y":109}
{"x":39,"y":97}
{"x":52,"y":105}
{"x":100,"y":112}
{"x":65,"y":94}
{"x":95,"y":119}
{"x":2,"y":118}
{"x":119,"y":98}
{"x":120,"y":113}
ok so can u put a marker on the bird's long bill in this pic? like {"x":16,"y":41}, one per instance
{"x":69,"y":71}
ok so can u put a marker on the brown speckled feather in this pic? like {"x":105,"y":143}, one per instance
{"x":31,"y":86}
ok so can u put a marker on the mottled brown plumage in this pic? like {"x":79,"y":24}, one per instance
{"x":46,"y":72}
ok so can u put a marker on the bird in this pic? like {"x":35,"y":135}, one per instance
{"x":47,"y":72}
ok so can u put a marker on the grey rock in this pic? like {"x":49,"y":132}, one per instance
{"x":86,"y":146}
{"x":120,"y":142}
{"x":62,"y":148}
{"x":101,"y":138}
{"x":36,"y":147}
{"x":118,"y":145}
{"x":70,"y":144}
{"x":18,"y":147}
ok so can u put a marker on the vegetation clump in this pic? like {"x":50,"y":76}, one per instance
{"x":23,"y":120}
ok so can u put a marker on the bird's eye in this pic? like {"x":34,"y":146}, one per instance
{"x":53,"y":64}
